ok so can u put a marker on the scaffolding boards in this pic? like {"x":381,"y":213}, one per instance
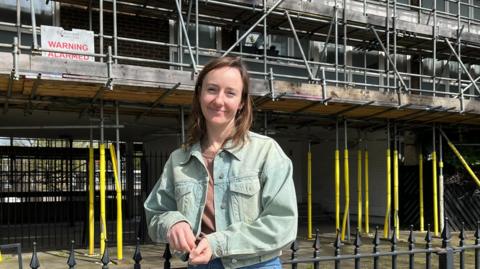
{"x":324,"y":51}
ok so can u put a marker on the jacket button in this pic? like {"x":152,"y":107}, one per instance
{"x":234,"y":260}
{"x":223,"y":206}
{"x":221,"y":176}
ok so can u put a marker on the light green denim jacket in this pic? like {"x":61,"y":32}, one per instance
{"x":255,"y":203}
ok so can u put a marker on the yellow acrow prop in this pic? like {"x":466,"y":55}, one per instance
{"x":347,"y":194}
{"x":359,"y":189}
{"x":396,"y":219}
{"x":420,"y":176}
{"x":1,"y":258}
{"x":309,"y":194}
{"x":462,"y":160}
{"x":435,"y":193}
{"x":367,"y":217}
{"x":91,"y":202}
{"x":103,"y":219}
{"x":337,"y":189}
{"x":389,"y":197}
{"x":118,"y":190}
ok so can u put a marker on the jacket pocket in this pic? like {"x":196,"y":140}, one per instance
{"x":185,"y":197}
{"x":245,"y":199}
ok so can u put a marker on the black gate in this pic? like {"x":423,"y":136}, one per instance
{"x":44,"y":195}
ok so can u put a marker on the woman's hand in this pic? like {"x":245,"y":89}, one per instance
{"x":181,"y":238}
{"x":201,"y":254}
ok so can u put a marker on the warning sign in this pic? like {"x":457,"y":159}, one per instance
{"x":55,"y":38}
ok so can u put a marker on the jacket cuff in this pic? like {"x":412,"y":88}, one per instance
{"x":218,"y":244}
{"x":171,"y":219}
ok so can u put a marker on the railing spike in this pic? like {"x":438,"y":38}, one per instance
{"x":294,"y":249}
{"x":137,"y":255}
{"x":105,"y":258}
{"x":358,"y":239}
{"x":394,"y":239}
{"x":428,"y":236}
{"x":411,"y":237}
{"x":446,"y":234}
{"x":34,"y":262}
{"x":338,"y":240}
{"x":71,"y":258}
{"x":376,"y":244}
{"x":477,"y":234}
{"x":462,"y":235}
{"x":167,"y":255}
{"x":316,"y":243}
{"x":376,"y":239}
{"x":411,"y":247}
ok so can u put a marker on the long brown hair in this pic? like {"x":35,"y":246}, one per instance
{"x":243,"y":118}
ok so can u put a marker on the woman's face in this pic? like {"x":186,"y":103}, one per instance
{"x":221,"y":97}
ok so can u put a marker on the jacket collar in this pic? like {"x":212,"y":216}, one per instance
{"x":196,"y":150}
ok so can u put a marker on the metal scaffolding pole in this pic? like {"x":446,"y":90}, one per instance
{"x":115,"y":35}
{"x":346,"y":76}
{"x":387,"y":41}
{"x":90,"y":20}
{"x":463,"y":66}
{"x":100,"y":34}
{"x":459,"y":68}
{"x":434,"y":33}
{"x":19,"y":22}
{"x":309,"y":70}
{"x":185,"y":32}
{"x":179,"y":35}
{"x":103,"y":218}
{"x":434,"y":179}
{"x":265,"y":37}
{"x":389,"y":59}
{"x":34,"y":25}
{"x":440,"y":183}
{"x":394,"y":21}
{"x":336,"y":41}
{"x":197,"y":45}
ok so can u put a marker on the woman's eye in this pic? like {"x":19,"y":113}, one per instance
{"x":212,"y":90}
{"x":231,"y":94}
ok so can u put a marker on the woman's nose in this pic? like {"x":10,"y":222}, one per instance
{"x":218,"y":99}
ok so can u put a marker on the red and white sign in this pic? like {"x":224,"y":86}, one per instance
{"x":55,"y":38}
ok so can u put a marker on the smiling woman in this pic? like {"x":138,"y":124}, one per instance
{"x":226,"y":199}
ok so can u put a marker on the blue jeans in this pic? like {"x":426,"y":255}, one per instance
{"x":217,"y":264}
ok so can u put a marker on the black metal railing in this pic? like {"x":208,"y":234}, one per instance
{"x":44,"y":195}
{"x":445,"y":254}
{"x":412,"y":256}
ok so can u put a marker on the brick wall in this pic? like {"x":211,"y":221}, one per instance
{"x":129,"y":26}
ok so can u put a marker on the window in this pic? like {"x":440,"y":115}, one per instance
{"x":207,"y":36}
{"x":44,"y":15}
{"x":43,"y":12}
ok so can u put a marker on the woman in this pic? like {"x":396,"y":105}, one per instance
{"x":227,"y":197}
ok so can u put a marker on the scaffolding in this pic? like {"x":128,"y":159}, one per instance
{"x":418,"y":50}
{"x":366,"y":61}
